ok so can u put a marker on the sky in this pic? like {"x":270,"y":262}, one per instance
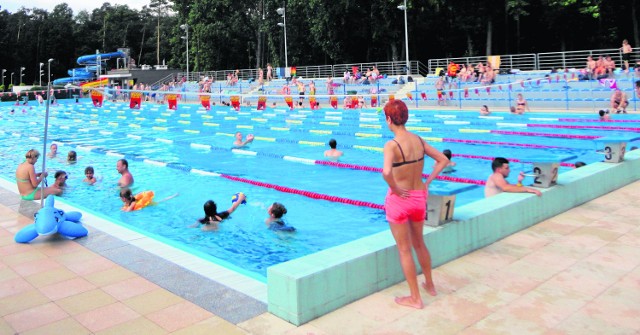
{"x":76,"y":5}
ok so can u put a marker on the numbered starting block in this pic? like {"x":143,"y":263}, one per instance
{"x":613,"y":147}
{"x":545,"y":169}
{"x":441,"y":201}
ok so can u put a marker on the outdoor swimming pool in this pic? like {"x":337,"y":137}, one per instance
{"x":189,"y":151}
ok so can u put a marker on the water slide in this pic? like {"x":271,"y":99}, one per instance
{"x":88,"y":72}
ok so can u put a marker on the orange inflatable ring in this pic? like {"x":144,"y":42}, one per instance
{"x":143,"y":199}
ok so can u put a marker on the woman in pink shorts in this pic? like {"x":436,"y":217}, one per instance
{"x":405,"y":204}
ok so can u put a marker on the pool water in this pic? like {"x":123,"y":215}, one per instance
{"x":283,"y":154}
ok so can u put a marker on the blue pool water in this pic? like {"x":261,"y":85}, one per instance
{"x":194,"y":139}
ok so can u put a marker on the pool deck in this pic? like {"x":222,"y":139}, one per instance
{"x":575,"y":273}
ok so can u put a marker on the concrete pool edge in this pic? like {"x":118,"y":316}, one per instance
{"x":306,"y":288}
{"x":241,"y":283}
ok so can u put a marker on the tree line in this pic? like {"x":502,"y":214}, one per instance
{"x":229,"y":34}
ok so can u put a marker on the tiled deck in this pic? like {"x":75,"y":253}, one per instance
{"x":576,"y":273}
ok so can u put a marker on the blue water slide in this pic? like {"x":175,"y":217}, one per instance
{"x":82,"y":72}
{"x":93,"y":59}
{"x":87,"y":72}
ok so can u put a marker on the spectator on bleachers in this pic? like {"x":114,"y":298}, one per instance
{"x":269,"y":72}
{"x":489,"y":76}
{"x":462,"y":74}
{"x":619,"y":101}
{"x":439,"y":91}
{"x":301,"y":89}
{"x":452,"y":71}
{"x":375,"y":74}
{"x":484,"y":110}
{"x":626,"y":54}
{"x":330,"y":86}
{"x":346,"y":76}
{"x":591,"y":68}
{"x":285,"y":90}
{"x":229,"y":79}
{"x":609,"y":65}
{"x":471,"y":73}
{"x":479,"y":72}
{"x":521,"y":104}
{"x":601,"y":69}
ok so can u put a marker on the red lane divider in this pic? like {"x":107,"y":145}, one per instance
{"x":542,"y":125}
{"x":376,"y":169}
{"x":595,"y":120}
{"x":538,"y":146}
{"x":490,"y":158}
{"x":527,"y":133}
{"x":308,"y":194}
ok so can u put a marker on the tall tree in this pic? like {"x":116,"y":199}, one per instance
{"x":160,"y":8}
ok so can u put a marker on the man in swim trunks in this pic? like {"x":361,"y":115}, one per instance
{"x":497,"y":183}
{"x":126,"y":179}
{"x":405,"y":203}
{"x":28,"y":180}
{"x":619,"y":101}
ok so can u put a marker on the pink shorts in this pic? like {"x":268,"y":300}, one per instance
{"x":400,"y":210}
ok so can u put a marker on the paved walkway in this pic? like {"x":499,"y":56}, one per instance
{"x":576,"y":273}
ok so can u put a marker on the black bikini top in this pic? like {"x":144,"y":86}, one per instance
{"x":404,"y":160}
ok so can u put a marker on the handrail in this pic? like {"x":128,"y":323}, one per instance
{"x":538,"y":61}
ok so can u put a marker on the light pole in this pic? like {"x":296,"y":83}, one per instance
{"x":3,"y":76}
{"x":41,"y":65}
{"x":282,"y":12}
{"x":185,"y":27}
{"x":21,"y":69}
{"x":406,"y":35}
{"x":46,"y":128}
{"x":12,"y":73}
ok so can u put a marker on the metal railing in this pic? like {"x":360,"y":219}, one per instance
{"x":540,"y":61}
{"x":524,"y":62}
{"x":578,"y":59}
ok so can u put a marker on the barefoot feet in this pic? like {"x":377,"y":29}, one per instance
{"x":431,"y":289}
{"x":409,"y":302}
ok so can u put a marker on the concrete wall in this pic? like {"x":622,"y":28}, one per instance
{"x":306,"y":288}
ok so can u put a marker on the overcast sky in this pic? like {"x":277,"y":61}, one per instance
{"x":77,"y":5}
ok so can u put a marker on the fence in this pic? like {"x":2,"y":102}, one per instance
{"x":539,"y":61}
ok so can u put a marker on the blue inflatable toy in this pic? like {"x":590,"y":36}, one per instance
{"x":236,"y":196}
{"x":49,"y":220}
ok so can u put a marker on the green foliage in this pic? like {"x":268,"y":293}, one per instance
{"x":228,"y":34}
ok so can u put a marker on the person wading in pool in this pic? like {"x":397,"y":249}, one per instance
{"x":497,"y":183}
{"x":126,"y":179}
{"x":212,"y":217}
{"x":405,"y":203}
{"x":28,"y":180}
{"x":333,"y":152}
{"x":239,"y":143}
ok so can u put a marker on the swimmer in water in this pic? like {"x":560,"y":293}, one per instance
{"x":238,"y":143}
{"x":89,"y":176}
{"x":212,"y":217}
